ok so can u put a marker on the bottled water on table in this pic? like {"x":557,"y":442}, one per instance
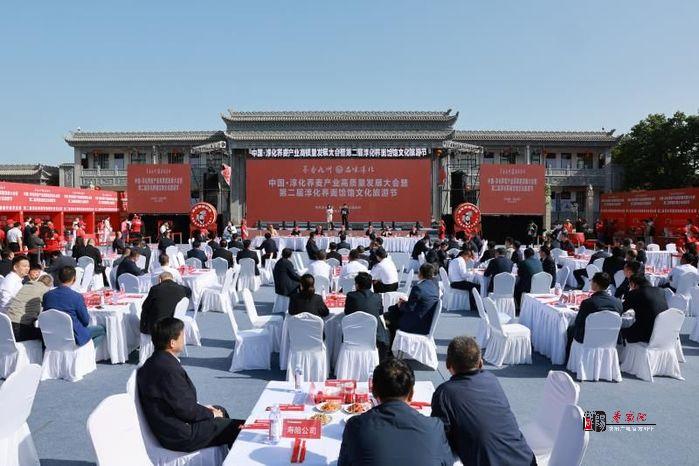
{"x":298,"y":378}
{"x":275,"y":424}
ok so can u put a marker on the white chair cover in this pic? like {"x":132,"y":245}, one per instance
{"x":358,"y":354}
{"x":343,"y":251}
{"x":453,"y":298}
{"x":346,"y":284}
{"x":220,"y":266}
{"x":171,"y":252}
{"x":16,"y":355}
{"x":686,"y":282}
{"x":16,"y":400}
{"x":273,"y":323}
{"x":659,"y":355}
{"x":321,"y":285}
{"x":77,"y":286}
{"x":483,"y":332}
{"x":253,"y":348}
{"x":559,"y":392}
{"x":145,"y":349}
{"x":364,"y":262}
{"x":693,"y":309}
{"x":671,"y":247}
{"x":88,"y":275}
{"x":541,"y":283}
{"x":63,"y":359}
{"x":571,"y":441}
{"x":504,"y":284}
{"x":408,"y":282}
{"x":619,"y":278}
{"x":509,"y":343}
{"x":84,"y":260}
{"x":247,"y":278}
{"x":223,"y":297}
{"x":421,"y":348}
{"x":676,"y":300}
{"x":332,"y":262}
{"x":129,"y":282}
{"x":390,"y":298}
{"x":192,"y":336}
{"x":562,"y":275}
{"x":306,"y":347}
{"x":652,"y":247}
{"x":110,"y":272}
{"x":596,"y":358}
{"x":193,"y":262}
{"x":591,"y":271}
{"x":281,"y":304}
{"x":599,"y":263}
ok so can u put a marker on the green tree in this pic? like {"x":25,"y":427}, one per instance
{"x":660,"y":152}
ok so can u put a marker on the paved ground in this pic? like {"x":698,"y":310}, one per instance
{"x":61,"y":408}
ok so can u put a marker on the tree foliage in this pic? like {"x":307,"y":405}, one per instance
{"x":660,"y":152}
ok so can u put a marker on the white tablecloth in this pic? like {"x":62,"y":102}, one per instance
{"x":659,"y":259}
{"x":122,"y":324}
{"x":332,"y":331}
{"x":657,"y":279}
{"x":298,"y":243}
{"x":250,"y":447}
{"x":573,"y":264}
{"x":548,"y":325}
{"x":198,"y":282}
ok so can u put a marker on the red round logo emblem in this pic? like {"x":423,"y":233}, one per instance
{"x":202,"y":215}
{"x":467,"y":217}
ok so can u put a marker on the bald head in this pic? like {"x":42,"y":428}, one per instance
{"x":165,"y":276}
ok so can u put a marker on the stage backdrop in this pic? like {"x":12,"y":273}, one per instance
{"x":374,"y":189}
{"x":512,"y":189}
{"x":159,"y":189}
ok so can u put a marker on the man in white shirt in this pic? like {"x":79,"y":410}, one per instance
{"x":684,"y":267}
{"x":319,"y":268}
{"x":14,"y":238}
{"x":13,"y":281}
{"x":459,"y":276}
{"x":384,"y":273}
{"x":164,"y":266}
{"x":353,"y":267}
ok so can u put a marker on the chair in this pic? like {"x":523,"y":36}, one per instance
{"x":408,"y":282}
{"x":453,"y":252}
{"x":207,"y":250}
{"x":509,"y":343}
{"x":247,"y":278}
{"x":652,"y":247}
{"x":171,"y":252}
{"x":273,"y":323}
{"x":63,"y":359}
{"x":191,"y":328}
{"x":390,"y":298}
{"x":562,"y":275}
{"x":129,"y":283}
{"x":421,"y":348}
{"x":15,"y":355}
{"x":619,"y":278}
{"x":358,"y":354}
{"x":365,"y":263}
{"x":671,"y":247}
{"x":332,"y":262}
{"x":571,"y":440}
{"x":559,"y":391}
{"x":281,"y":304}
{"x":145,"y":349}
{"x":677,"y":300}
{"x":346,"y":284}
{"x":658,"y":356}
{"x":596,"y":357}
{"x":686,"y":282}
{"x":343,"y":252}
{"x":220,"y":266}
{"x":599,"y":263}
{"x":483,"y":333}
{"x":453,"y":298}
{"x":109,"y":272}
{"x":84,"y":260}
{"x":253,"y":348}
{"x":306,"y":347}
{"x":223,"y":297}
{"x":180,"y":258}
{"x":193,"y":262}
{"x":77,"y":285}
{"x":693,"y":309}
{"x":88,"y":275}
{"x":503,"y":293}
{"x":541,"y":283}
{"x":141,"y":262}
{"x":591,"y":269}
{"x":16,"y":400}
{"x":322,"y":285}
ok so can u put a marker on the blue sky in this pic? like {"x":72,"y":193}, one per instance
{"x":155,"y":65}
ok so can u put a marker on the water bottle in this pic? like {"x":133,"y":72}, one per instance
{"x":275,"y":425}
{"x":298,"y":378}
{"x":558,"y":289}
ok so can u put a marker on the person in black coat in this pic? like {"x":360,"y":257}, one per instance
{"x":416,"y":314}
{"x":6,"y":262}
{"x":421,"y":247}
{"x":128,"y":265}
{"x":269,"y":246}
{"x":489,"y":253}
{"x":246,"y":253}
{"x":393,"y":433}
{"x":615,"y":263}
{"x":641,"y":252}
{"x":213,"y":244}
{"x":311,"y":247}
{"x":169,"y":400}
{"x":548,"y":264}
{"x":224,"y":253}
{"x":78,"y":248}
{"x":306,"y":299}
{"x":630,"y":268}
{"x":647,"y":302}
{"x":343,"y":244}
{"x":497,"y":265}
{"x":374,"y":247}
{"x":333,"y":254}
{"x":165,"y":242}
{"x":236,"y":242}
{"x":95,"y":254}
{"x":479,"y":424}
{"x":58,"y":261}
{"x":526,"y":269}
{"x":197,"y":253}
{"x":286,"y":279}
{"x":367,"y":301}
{"x":161,"y":301}
{"x":600,"y":253}
{"x":118,"y":244}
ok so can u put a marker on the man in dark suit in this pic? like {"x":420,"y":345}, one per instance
{"x":498,"y":264}
{"x":647,"y":302}
{"x":144,"y":250}
{"x":599,"y":301}
{"x":223,"y":252}
{"x":6,"y":262}
{"x":599,"y":253}
{"x":479,"y":424}
{"x":394,"y":433}
{"x":367,"y":301}
{"x":525,"y":271}
{"x":333,"y":254}
{"x":477,"y":243}
{"x":286,"y":279}
{"x":421,"y":247}
{"x":246,"y":253}
{"x":630,"y":268}
{"x":128,"y":265}
{"x":615,"y":263}
{"x":311,"y":246}
{"x":415,"y":315}
{"x":548,"y":265}
{"x":489,"y":252}
{"x":213,"y":244}
{"x":161,"y":301}
{"x":58,"y":261}
{"x":343,"y":244}
{"x":165,"y":242}
{"x":236,"y":242}
{"x":197,"y":253}
{"x":94,"y":253}
{"x":269,"y":246}
{"x":169,"y":400}
{"x":118,"y":244}
{"x":375,"y":246}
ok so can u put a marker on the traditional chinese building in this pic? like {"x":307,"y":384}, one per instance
{"x":32,"y":174}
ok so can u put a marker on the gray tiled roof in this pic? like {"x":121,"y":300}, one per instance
{"x":339,"y":116}
{"x":537,"y":136}
{"x":338,"y":135}
{"x":25,"y":169}
{"x":82,"y":137}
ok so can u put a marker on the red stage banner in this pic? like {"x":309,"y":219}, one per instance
{"x":159,"y":189}
{"x":15,"y":197}
{"x":512,"y":189}
{"x":374,"y":189}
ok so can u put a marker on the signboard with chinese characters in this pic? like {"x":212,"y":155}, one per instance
{"x":512,"y":189}
{"x":301,"y":428}
{"x":15,"y":197}
{"x":341,"y":152}
{"x":374,"y":190}
{"x":159,"y":189}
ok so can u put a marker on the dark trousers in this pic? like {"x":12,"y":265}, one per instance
{"x":383,"y":288}
{"x":569,"y":342}
{"x":14,"y":247}
{"x":227,"y":429}
{"x":579,"y":274}
{"x":345,"y":222}
{"x":26,"y":332}
{"x":392,"y":318}
{"x":466,"y":285}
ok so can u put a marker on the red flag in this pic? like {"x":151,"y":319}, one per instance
{"x":226,"y":173}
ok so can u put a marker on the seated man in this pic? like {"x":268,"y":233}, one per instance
{"x":169,"y":400}
{"x":311,"y":246}
{"x":384,"y":273}
{"x":223,"y":252}
{"x":415,"y":315}
{"x":353,"y":266}
{"x":333,"y":254}
{"x":343,"y":244}
{"x":498,"y":264}
{"x":213,"y":244}
{"x":479,"y":424}
{"x":679,"y":270}
{"x":286,"y":278}
{"x":197,"y":253}
{"x":548,"y":264}
{"x":630,"y":268}
{"x":247,"y":253}
{"x":164,"y":266}
{"x":647,"y":302}
{"x":489,"y":253}
{"x":600,"y":253}
{"x":64,"y":299}
{"x":318,"y":267}
{"x":459,"y":276}
{"x":58,"y":261}
{"x":25,"y":307}
{"x":367,"y":301}
{"x":526,"y":269}
{"x":613,"y":264}
{"x":269,"y":246}
{"x":128,"y":265}
{"x":94,"y":253}
{"x":165,"y":242}
{"x":13,"y":281}
{"x":236,"y":242}
{"x":393,"y":433}
{"x":161,"y":301}
{"x":599,"y":301}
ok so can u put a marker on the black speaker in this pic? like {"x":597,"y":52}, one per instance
{"x":457,"y":189}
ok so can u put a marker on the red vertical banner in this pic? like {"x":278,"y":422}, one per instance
{"x":512,"y":189}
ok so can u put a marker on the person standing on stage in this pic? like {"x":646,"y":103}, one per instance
{"x":329,"y":211}
{"x":344,"y":213}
